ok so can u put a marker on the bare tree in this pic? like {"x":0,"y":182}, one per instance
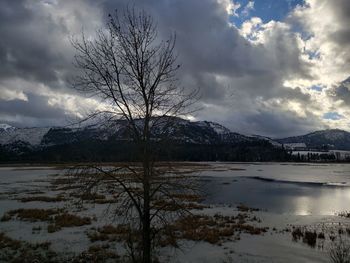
{"x":134,"y":74}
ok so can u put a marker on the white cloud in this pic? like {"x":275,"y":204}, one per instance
{"x":248,"y":8}
{"x":8,"y":95}
{"x":230,"y":6}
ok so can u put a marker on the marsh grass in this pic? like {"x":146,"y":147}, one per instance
{"x":31,"y":215}
{"x":340,"y":252}
{"x":244,"y":208}
{"x":308,"y":237}
{"x":16,"y":251}
{"x":212,"y":229}
{"x":110,"y":233}
{"x":67,"y":220}
{"x":57,"y":218}
{"x":344,"y":214}
{"x":98,"y":254}
{"x":70,"y":220}
{"x":58,"y":198}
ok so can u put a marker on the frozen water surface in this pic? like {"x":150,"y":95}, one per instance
{"x":302,"y":189}
{"x":288,"y":194}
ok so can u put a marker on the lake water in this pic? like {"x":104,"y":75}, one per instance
{"x":301,"y":189}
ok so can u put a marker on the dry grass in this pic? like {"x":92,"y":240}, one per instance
{"x":188,"y":197}
{"x":31,"y":215}
{"x":66,"y":187}
{"x":344,"y":214}
{"x":70,"y":220}
{"x":42,"y":199}
{"x":51,"y":228}
{"x":16,"y":251}
{"x":7,"y":242}
{"x":340,"y":252}
{"x":90,"y":196}
{"x":6,"y":217}
{"x":213,"y":229}
{"x":297,"y":234}
{"x":63,"y":183}
{"x":243,"y":208}
{"x":308,"y":237}
{"x":56,"y":217}
{"x":94,"y":198}
{"x":321,"y":235}
{"x":105,"y":201}
{"x":110,"y":233}
{"x":176,"y":205}
{"x":98,"y":254}
{"x":67,"y":220}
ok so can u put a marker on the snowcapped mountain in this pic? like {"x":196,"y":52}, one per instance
{"x":6,"y":127}
{"x":332,"y":138}
{"x":185,"y":140}
{"x":32,"y":136}
{"x":202,"y":132}
{"x":183,"y":132}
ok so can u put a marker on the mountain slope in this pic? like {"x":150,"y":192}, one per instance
{"x":202,"y":132}
{"x":333,"y":138}
{"x":191,"y":141}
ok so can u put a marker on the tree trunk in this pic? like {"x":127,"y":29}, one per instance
{"x":146,"y":235}
{"x":146,"y":225}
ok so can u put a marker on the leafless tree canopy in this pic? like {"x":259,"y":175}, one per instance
{"x":134,"y":73}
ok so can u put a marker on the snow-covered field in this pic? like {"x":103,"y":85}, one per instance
{"x":287,"y":197}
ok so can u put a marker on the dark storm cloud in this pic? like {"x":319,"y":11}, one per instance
{"x":27,"y":45}
{"x":341,"y":92}
{"x":342,"y":35}
{"x":232,"y":73}
{"x":36,"y":57}
{"x":36,"y":106}
{"x":35,"y":111}
{"x":342,"y":10}
{"x":278,"y":124}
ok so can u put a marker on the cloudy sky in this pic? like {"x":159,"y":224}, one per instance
{"x":269,"y":67}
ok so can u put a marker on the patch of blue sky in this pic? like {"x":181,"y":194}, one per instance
{"x":332,"y":116}
{"x":267,"y":10}
{"x":314,"y":54}
{"x":318,"y":88}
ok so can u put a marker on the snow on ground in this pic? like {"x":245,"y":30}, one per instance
{"x":276,"y":245}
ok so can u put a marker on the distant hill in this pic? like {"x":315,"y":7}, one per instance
{"x":186,"y":141}
{"x":192,"y":141}
{"x":201,"y":132}
{"x":331,"y":139}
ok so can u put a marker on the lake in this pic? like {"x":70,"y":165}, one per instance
{"x":301,"y":189}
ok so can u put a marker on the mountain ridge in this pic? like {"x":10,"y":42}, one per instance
{"x":187,"y":140}
{"x":331,"y":138}
{"x":37,"y":135}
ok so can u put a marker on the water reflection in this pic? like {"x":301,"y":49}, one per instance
{"x":285,"y":198}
